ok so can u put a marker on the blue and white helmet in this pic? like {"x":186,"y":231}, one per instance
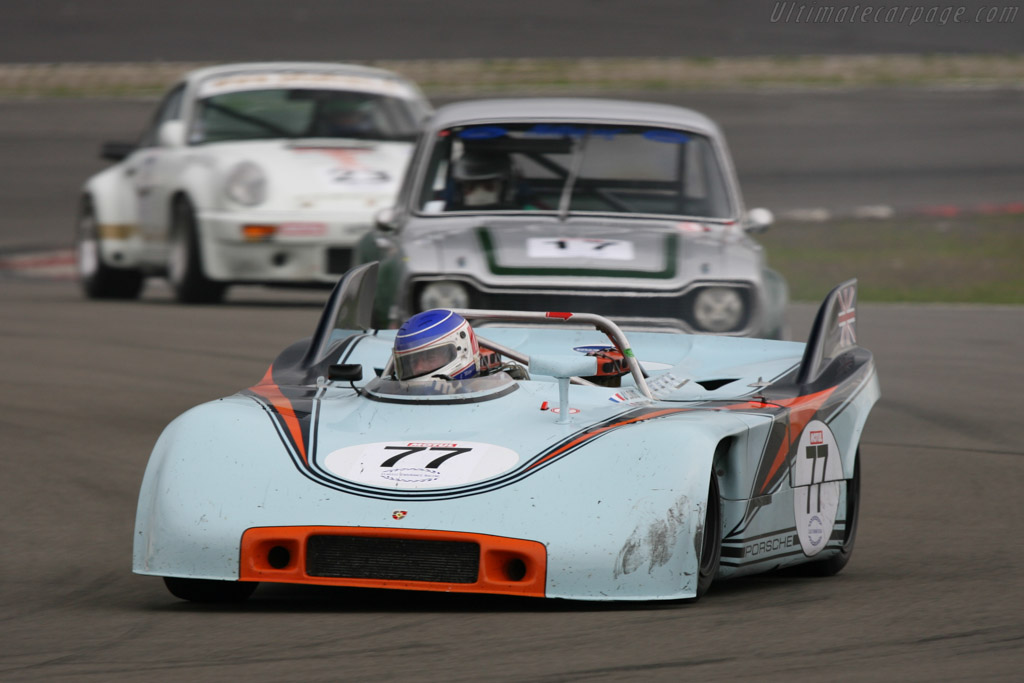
{"x":436,"y":342}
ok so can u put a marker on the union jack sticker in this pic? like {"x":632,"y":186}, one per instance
{"x":847,"y":316}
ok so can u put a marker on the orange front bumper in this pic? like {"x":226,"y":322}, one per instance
{"x":503,"y":565}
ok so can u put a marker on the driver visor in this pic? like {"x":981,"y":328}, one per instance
{"x":423,"y":361}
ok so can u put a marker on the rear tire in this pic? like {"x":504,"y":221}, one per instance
{"x":185,"y":263}
{"x":711,"y":541}
{"x":99,"y":280}
{"x":210,"y":591}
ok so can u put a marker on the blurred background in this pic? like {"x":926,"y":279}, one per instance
{"x":865,"y":113}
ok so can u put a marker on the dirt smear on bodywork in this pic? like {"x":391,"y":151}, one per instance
{"x":652,"y":545}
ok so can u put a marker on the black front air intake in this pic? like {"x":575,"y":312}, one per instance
{"x":392,"y":559}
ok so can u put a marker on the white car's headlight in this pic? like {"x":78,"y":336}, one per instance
{"x":246,"y":184}
{"x":718,"y":309}
{"x":444,"y":294}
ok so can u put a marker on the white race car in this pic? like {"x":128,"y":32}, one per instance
{"x":248,"y":173}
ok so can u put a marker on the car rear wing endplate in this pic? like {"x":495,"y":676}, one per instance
{"x":833,"y":333}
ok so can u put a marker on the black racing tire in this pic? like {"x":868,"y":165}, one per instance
{"x":711,"y":540}
{"x":185,"y":261}
{"x":209,"y":590}
{"x":831,"y":566}
{"x":100,"y":280}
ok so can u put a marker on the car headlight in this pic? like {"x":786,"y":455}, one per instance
{"x":246,"y":184}
{"x":718,"y":309}
{"x":444,"y":294}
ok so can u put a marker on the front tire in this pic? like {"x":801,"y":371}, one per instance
{"x":711,"y":540}
{"x":210,"y":591}
{"x":185,"y":265}
{"x":99,"y":280}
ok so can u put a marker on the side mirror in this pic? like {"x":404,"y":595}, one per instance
{"x":758,"y":220}
{"x":345,"y":373}
{"x":116,"y":151}
{"x":171,"y":134}
{"x":386,"y":219}
{"x":563,"y":366}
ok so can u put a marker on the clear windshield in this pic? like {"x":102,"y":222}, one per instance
{"x":560,"y":167}
{"x":301,"y":113}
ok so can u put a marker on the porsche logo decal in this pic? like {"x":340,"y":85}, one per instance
{"x":399,"y":514}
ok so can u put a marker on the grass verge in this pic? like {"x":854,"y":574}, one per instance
{"x":965,"y":259}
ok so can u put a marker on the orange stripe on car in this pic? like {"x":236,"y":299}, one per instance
{"x":801,"y":410}
{"x":269,"y":390}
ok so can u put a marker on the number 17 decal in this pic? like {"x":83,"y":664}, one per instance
{"x":579,"y":247}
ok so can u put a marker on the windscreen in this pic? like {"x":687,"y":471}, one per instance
{"x":560,"y":167}
{"x":303,"y":113}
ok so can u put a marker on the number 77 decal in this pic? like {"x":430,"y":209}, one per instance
{"x":433,"y":464}
{"x":418,"y":464}
{"x":815,"y":479}
{"x":814,"y":453}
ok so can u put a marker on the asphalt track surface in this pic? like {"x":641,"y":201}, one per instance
{"x":174,"y":30}
{"x":837,"y":150}
{"x":933,"y":591}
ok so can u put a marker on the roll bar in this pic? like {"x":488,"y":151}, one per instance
{"x":599,"y":322}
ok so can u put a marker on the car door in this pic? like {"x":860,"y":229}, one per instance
{"x":153,"y":169}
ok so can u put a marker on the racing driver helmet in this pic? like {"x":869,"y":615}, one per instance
{"x":436,"y":342}
{"x":484,"y":179}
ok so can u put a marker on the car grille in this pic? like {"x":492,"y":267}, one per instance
{"x":636,"y":306}
{"x":393,"y":559}
{"x":339,"y":260}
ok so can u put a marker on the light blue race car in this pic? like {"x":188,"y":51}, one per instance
{"x":518,"y":453}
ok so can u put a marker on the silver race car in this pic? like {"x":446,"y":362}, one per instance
{"x":625,"y":209}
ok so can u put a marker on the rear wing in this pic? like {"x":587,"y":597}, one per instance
{"x":834,"y":332}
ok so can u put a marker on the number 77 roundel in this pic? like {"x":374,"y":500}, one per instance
{"x":816,"y":475}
